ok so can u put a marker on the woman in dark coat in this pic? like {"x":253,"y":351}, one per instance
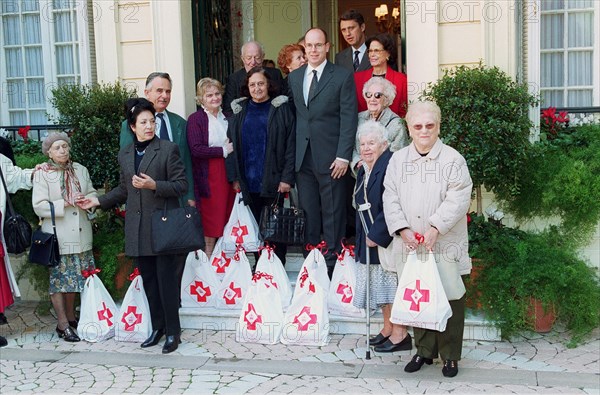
{"x":152,"y":174}
{"x":368,"y":200}
{"x":262,"y":131}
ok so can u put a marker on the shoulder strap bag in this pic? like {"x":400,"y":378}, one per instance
{"x":44,"y":246}
{"x":17,"y":230}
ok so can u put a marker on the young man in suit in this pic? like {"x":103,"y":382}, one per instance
{"x":168,"y":124}
{"x":353,"y":58}
{"x":253,"y":55}
{"x":326,"y":121}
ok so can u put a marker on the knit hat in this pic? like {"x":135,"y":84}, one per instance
{"x":53,"y":137}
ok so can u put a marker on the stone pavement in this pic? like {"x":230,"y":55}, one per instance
{"x":209,"y":361}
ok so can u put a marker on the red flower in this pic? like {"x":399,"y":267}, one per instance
{"x":24,"y":132}
{"x":469,"y":219}
{"x":120,"y":213}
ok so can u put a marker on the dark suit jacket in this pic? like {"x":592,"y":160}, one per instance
{"x":399,"y":80}
{"x":161,"y":162}
{"x":378,"y":231}
{"x":178,"y":128}
{"x":330,"y":120}
{"x":345,"y":59}
{"x":236,"y":80}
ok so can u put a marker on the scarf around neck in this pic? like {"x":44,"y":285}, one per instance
{"x":69,"y":183}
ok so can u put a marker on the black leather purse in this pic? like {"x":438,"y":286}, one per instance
{"x":176,"y":231}
{"x":279,"y":224}
{"x":16,"y":229}
{"x":44,"y":246}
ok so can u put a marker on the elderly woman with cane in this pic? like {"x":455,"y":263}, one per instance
{"x":372,"y":231}
{"x":428,"y":192}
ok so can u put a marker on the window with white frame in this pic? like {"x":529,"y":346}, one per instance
{"x":40,"y":43}
{"x":569,"y":58}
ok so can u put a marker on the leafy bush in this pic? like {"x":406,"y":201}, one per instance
{"x":95,"y":113}
{"x":485,"y":117}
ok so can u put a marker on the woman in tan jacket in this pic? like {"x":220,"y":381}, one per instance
{"x":428,"y":191}
{"x":65,"y":183}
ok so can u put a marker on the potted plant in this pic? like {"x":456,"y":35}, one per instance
{"x":485,"y":117}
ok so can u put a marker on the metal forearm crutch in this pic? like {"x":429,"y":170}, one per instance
{"x":361,"y":208}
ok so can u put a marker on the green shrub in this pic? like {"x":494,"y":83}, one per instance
{"x":485,"y":117}
{"x":95,"y":113}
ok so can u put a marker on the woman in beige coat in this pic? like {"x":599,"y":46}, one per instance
{"x":428,"y":191}
{"x":65,"y":183}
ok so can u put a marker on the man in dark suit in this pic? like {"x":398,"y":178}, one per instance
{"x":353,"y":58}
{"x":326,"y":121}
{"x":253,"y":55}
{"x":168,"y":125}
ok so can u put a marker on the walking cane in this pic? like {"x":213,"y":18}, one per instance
{"x":361,"y":208}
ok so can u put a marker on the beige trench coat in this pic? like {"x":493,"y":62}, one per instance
{"x":432,"y":190}
{"x":73,"y":228}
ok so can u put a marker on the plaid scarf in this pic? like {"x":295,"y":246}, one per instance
{"x":69,"y":183}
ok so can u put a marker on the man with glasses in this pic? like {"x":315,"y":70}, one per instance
{"x":326,"y":121}
{"x":253,"y":55}
{"x":352,"y":27}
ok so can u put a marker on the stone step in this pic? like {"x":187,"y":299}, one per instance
{"x":476,"y":327}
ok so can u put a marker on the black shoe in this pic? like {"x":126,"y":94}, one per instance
{"x":154,"y":338}
{"x":450,"y":368}
{"x":171,"y":344}
{"x":416,"y":362}
{"x":3,"y":320}
{"x":59,"y":332}
{"x":70,"y":335}
{"x":378,"y":340}
{"x":388,"y":346}
{"x":3,"y":341}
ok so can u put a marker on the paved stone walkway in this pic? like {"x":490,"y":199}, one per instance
{"x":210,"y":361}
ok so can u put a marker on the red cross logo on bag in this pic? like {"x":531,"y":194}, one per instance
{"x":131,"y":318}
{"x":221,"y":262}
{"x":201,"y":291}
{"x":252,"y":318}
{"x":346,"y":291}
{"x":231,"y":293}
{"x":239,"y":232}
{"x":105,"y":314}
{"x":416,"y":296}
{"x":304,"y":319}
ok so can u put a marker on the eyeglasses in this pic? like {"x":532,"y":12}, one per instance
{"x":428,"y":126}
{"x":378,"y":95}
{"x":375,"y":51}
{"x":317,"y":46}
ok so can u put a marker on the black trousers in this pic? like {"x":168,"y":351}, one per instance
{"x":323,"y":200}
{"x":258,"y":202}
{"x":162,"y":282}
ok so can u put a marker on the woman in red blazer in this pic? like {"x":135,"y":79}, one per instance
{"x":382,"y":54}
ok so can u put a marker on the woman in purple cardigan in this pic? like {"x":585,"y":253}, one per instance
{"x":209,"y":146}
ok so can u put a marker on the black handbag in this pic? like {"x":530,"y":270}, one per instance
{"x":16,"y":229}
{"x":176,"y":231}
{"x":279,"y":224}
{"x":44,"y":246}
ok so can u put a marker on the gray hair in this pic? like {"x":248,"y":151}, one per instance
{"x":421,"y":107}
{"x":259,"y":45}
{"x":157,"y":74}
{"x":375,"y":128}
{"x":389,"y":90}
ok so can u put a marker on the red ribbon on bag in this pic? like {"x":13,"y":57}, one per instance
{"x":238,"y":248}
{"x":269,"y":248}
{"x":349,"y":248}
{"x":134,"y":274}
{"x":321,"y":246}
{"x":86,"y":273}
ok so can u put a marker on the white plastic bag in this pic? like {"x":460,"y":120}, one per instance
{"x":343,"y":284}
{"x":220,"y":260}
{"x":199,"y":283}
{"x":261,"y":319}
{"x":270,"y":264}
{"x":134,"y":323}
{"x":420,"y":298}
{"x":98,"y":310}
{"x":241,"y":229}
{"x":314,"y":266}
{"x":235,"y":283}
{"x":306,"y":321}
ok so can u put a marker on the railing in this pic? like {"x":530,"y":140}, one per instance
{"x":37,"y":130}
{"x":580,"y":115}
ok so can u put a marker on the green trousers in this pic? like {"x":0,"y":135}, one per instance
{"x":447,"y":344}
